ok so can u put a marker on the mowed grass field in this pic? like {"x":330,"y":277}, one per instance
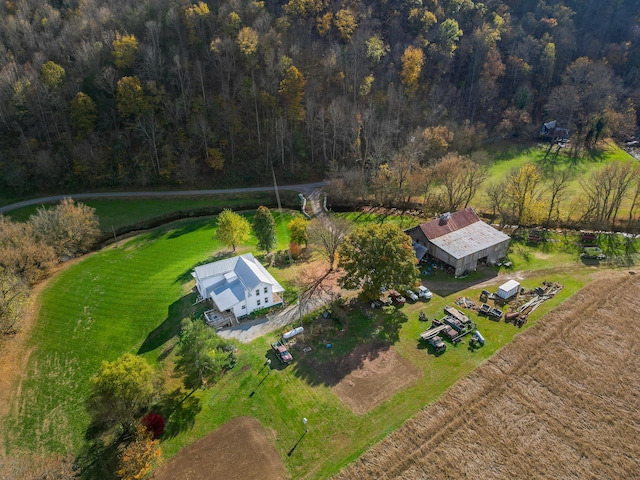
{"x":131,"y":298}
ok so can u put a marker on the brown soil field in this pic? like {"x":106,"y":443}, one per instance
{"x":561,"y":401}
{"x":368,"y":376}
{"x":239,"y":450}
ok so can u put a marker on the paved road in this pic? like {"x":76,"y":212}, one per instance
{"x":305,"y":188}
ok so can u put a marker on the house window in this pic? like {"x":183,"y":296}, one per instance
{"x":244,"y":307}
{"x":265,"y":289}
{"x":258,"y":302}
{"x":257,"y":291}
{"x":266,"y":300}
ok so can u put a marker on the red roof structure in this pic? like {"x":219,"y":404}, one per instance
{"x":449,"y":222}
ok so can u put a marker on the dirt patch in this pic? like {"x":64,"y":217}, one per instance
{"x":560,"y":401}
{"x":239,"y":449}
{"x":368,"y":376}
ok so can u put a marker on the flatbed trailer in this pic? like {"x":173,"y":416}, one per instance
{"x":432,"y":332}
{"x":457,"y":314}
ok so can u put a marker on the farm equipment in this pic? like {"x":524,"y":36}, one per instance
{"x":457,"y":314}
{"x":486,"y":295}
{"x":477,"y":340}
{"x":491,"y":312}
{"x":422,"y":317}
{"x":437,"y":343}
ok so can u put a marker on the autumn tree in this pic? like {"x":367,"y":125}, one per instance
{"x":460,"y":179}
{"x":291,"y":93}
{"x":125,"y":49}
{"x":264,"y":228}
{"x":412,"y":61}
{"x":346,"y":22}
{"x":130,"y":97}
{"x":135,"y":461}
{"x":232,"y":229}
{"x":376,"y":255}
{"x":202,"y":356}
{"x":14,"y":293}
{"x":52,"y":75}
{"x":523,"y":190}
{"x":22,"y":253}
{"x":555,"y":193}
{"x":326,"y":233}
{"x":84,"y":114}
{"x":70,"y":228}
{"x":121,"y":391}
{"x":298,"y":231}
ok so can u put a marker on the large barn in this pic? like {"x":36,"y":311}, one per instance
{"x":460,"y":240}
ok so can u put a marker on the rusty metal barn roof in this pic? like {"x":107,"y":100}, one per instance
{"x":469,"y":239}
{"x":449,"y":223}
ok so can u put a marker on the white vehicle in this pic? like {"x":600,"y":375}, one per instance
{"x":424,"y":292}
{"x":411,"y":295}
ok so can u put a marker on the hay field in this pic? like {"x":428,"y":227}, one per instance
{"x":561,"y":401}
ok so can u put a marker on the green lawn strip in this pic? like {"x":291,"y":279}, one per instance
{"x":118,"y":213}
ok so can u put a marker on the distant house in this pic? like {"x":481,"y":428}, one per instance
{"x":460,"y":240}
{"x":553,"y":132}
{"x":236,"y":287}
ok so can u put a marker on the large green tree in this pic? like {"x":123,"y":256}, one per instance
{"x":233,"y":229}
{"x":264,"y":228}
{"x":374,"y":256}
{"x":121,"y":392}
{"x":202,"y":355}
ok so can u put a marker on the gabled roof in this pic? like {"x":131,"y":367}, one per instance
{"x":449,"y":222}
{"x":226,"y":281}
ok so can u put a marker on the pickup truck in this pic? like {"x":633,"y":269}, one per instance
{"x":397,"y":298}
{"x":280,"y":349}
{"x":437,"y":343}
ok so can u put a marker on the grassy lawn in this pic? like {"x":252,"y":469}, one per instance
{"x":131,"y":298}
{"x":119,"y":213}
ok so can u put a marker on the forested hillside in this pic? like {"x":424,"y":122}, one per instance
{"x":116,"y":93}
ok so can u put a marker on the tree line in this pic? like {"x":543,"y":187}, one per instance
{"x":531,"y":195}
{"x":96,"y":94}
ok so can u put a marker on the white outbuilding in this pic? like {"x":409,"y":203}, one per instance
{"x":509,"y":289}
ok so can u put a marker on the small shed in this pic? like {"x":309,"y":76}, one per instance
{"x":509,"y":289}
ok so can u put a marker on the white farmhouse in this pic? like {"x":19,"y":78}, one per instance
{"x":237,"y":287}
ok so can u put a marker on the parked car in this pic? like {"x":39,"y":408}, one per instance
{"x":397,"y":298}
{"x":411,"y":295}
{"x":424,"y":292}
{"x":280,"y":349}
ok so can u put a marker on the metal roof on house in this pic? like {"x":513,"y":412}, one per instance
{"x":225,"y":281}
{"x":449,"y":223}
{"x":469,"y":239}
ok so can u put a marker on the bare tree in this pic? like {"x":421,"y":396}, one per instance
{"x":460,"y":178}
{"x":604,"y":192}
{"x":327,"y":233}
{"x":556,"y":192}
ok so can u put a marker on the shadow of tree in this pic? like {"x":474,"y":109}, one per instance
{"x":190,"y":227}
{"x":170,"y":327}
{"x":179,"y":409}
{"x":368,"y":338}
{"x":186,"y":276}
{"x":98,"y":459}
